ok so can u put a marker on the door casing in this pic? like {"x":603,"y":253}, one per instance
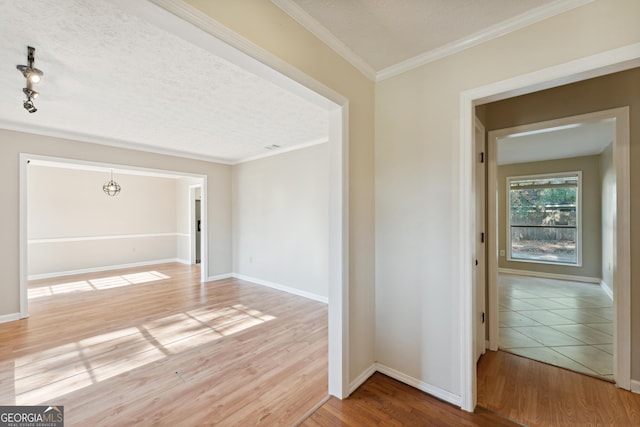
{"x":622,"y":324}
{"x":602,"y":63}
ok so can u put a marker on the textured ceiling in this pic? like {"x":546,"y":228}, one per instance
{"x":111,"y":76}
{"x":384,"y":32}
{"x":562,"y":142}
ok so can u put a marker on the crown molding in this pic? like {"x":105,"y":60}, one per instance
{"x":326,"y":36}
{"x":518,"y":22}
{"x":92,"y":139}
{"x":116,"y":143}
{"x":282,"y":151}
{"x":204,"y":22}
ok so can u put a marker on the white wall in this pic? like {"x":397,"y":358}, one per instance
{"x":608,"y":182}
{"x":417,"y":172}
{"x":280,"y":220}
{"x":74,"y":226}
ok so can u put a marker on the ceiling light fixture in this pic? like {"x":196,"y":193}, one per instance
{"x":33,"y":75}
{"x":544,"y":130}
{"x":111,"y":188}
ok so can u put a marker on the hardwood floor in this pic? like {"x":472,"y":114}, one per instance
{"x":512,"y":391}
{"x":152,"y":346}
{"x":383,"y":401}
{"x":537,"y":394}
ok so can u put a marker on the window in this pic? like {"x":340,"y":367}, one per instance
{"x":544,"y":218}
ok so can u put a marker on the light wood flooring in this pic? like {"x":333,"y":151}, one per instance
{"x":152,"y":346}
{"x":537,"y":394}
{"x":512,"y":391}
{"x":383,"y":401}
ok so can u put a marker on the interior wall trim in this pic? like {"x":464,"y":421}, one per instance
{"x":510,"y":25}
{"x":282,"y":151}
{"x":12,"y":317}
{"x":100,"y":269}
{"x":545,"y":275}
{"x":406,"y":379}
{"x":283,"y":288}
{"x":364,"y":376}
{"x":219,"y":277}
{"x":607,"y":289}
{"x":435,"y":391}
{"x":321,"y":32}
{"x":104,"y":237}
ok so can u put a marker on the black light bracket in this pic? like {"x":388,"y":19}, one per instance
{"x":33,"y":75}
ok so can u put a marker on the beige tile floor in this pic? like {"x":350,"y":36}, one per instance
{"x":563,"y":323}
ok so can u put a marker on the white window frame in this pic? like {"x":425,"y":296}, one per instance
{"x":578,"y":217}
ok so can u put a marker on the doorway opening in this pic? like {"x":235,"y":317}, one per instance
{"x":209,"y":35}
{"x":82,"y":239}
{"x":196,"y":218}
{"x":205,"y":32}
{"x":551,"y":230}
{"x":582,"y":69}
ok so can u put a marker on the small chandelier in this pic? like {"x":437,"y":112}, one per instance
{"x":111,"y":188}
{"x":33,"y":75}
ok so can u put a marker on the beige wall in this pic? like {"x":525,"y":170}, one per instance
{"x":14,"y":143}
{"x":417,"y":172}
{"x":281,"y":220}
{"x":73,"y":225}
{"x":603,"y":93}
{"x":591,"y":214}
{"x":267,"y":26}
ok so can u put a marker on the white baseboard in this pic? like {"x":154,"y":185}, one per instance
{"x":403,"y":378}
{"x":183,"y":261}
{"x":635,"y":386}
{"x":283,"y":288}
{"x":607,"y":289}
{"x":544,"y":275}
{"x":362,"y":378}
{"x":98,"y":269}
{"x":454,"y":399}
{"x":219,"y":277}
{"x":11,"y":317}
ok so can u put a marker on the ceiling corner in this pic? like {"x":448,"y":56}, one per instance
{"x":326,"y":36}
{"x":517,"y":22}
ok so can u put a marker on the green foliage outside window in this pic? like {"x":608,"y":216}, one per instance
{"x":543,"y":218}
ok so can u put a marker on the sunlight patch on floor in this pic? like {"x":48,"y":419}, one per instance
{"x":96,"y":284}
{"x":43,"y":376}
